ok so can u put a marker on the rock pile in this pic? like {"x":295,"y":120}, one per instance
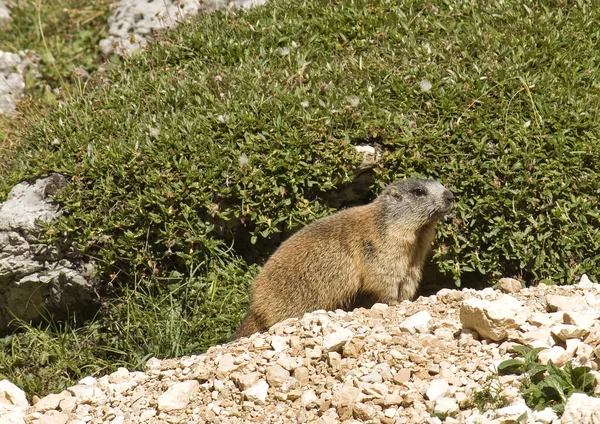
{"x":421,"y":361}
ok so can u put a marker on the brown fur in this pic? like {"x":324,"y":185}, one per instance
{"x":355,"y":257}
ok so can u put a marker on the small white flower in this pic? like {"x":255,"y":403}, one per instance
{"x":284,"y":51}
{"x":527,"y":124}
{"x":154,"y":132}
{"x":218,"y":78}
{"x":243,"y":160}
{"x":353,"y":100}
{"x":223,"y":118}
{"x":370,"y":89}
{"x":425,"y":86}
{"x":304,"y":104}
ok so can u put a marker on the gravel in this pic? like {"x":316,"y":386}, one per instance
{"x":350,"y":367}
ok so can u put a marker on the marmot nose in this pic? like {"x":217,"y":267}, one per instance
{"x":448,"y":196}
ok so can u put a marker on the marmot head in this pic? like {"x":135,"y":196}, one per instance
{"x":416,"y":200}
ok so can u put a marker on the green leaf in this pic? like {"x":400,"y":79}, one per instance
{"x":522,"y":350}
{"x":532,"y":354}
{"x":536,"y":372}
{"x":522,"y":418}
{"x":563,"y":375}
{"x":583,"y":380}
{"x":511,"y":366}
{"x":556,"y":384}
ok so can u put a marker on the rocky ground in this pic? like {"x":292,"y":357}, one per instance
{"x":421,"y":361}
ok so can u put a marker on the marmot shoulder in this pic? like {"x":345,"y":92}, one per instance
{"x":354,"y":257}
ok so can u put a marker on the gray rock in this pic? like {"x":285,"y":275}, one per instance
{"x":12,"y":395}
{"x":13,"y":67}
{"x":557,"y":354}
{"x":245,"y":381}
{"x":584,"y":319}
{"x":545,"y":416}
{"x":51,"y":401}
{"x":394,"y":377}
{"x":4,"y":13}
{"x":585,"y":282}
{"x":364,"y":411}
{"x":279,"y":343}
{"x":36,"y":278}
{"x":308,"y":398}
{"x":226,"y":364}
{"x":370,"y":158}
{"x":567,"y":331}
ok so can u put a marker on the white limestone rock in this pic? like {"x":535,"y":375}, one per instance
{"x":417,"y":323}
{"x":574,"y":303}
{"x":12,"y":396}
{"x":565,"y":331}
{"x":445,"y":405}
{"x":512,"y":412}
{"x":258,"y":392}
{"x":178,"y":396}
{"x":581,"y":409}
{"x":557,"y":354}
{"x":437,"y":388}
{"x":509,"y":285}
{"x":493,"y":319}
{"x":334,"y":341}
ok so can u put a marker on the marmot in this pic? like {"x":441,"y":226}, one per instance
{"x":354,"y":257}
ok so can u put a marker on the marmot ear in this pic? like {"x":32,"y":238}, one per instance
{"x":395,"y":192}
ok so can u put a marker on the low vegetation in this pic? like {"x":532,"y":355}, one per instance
{"x":544,"y":385}
{"x":236,"y":127}
{"x":488,"y":397}
{"x":61,"y":38}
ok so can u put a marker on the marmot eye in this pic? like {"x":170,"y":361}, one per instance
{"x":419,"y":192}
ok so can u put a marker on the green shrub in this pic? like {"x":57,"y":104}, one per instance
{"x":509,"y":124}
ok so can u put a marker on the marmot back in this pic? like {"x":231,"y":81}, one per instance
{"x":355,"y":257}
